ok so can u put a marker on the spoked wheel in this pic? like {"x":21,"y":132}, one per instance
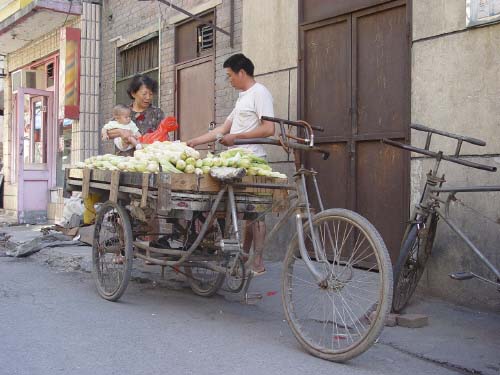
{"x":340,"y":316}
{"x":203,"y":280}
{"x":409,"y":268}
{"x":112,"y":251}
{"x":235,"y":274}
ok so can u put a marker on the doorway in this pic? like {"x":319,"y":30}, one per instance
{"x":354,"y":80}
{"x":34,"y":152}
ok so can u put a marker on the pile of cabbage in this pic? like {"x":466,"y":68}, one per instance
{"x":177,"y":157}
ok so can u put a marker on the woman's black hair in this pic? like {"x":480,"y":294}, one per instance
{"x":138,"y":81}
{"x":238,"y":62}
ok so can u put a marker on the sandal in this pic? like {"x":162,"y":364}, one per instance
{"x":258,"y":273}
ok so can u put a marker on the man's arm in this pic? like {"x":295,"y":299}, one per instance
{"x":211,"y":136}
{"x":264,"y":130}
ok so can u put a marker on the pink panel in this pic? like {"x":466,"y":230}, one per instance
{"x":35,"y":195}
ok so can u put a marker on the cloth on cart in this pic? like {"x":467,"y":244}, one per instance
{"x":227,"y":173}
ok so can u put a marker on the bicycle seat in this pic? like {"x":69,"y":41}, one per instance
{"x":227,"y":174}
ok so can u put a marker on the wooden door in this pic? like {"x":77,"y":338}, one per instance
{"x":195,"y":97}
{"x":355,"y":81}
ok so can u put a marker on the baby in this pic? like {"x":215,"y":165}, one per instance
{"x":121,"y":116}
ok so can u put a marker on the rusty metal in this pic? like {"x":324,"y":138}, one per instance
{"x":359,"y":101}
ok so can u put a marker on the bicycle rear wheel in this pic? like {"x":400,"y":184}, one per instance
{"x":416,"y":249}
{"x":341,"y":317}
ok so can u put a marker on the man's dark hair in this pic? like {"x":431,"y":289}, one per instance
{"x":238,"y":62}
{"x":138,"y":81}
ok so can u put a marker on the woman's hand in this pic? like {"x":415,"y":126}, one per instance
{"x":119,"y":133}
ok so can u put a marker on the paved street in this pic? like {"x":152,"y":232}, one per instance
{"x":53,"y":321}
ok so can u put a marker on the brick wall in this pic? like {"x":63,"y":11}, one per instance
{"x":128,"y":20}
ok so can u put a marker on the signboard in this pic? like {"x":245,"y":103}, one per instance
{"x":69,"y":74}
{"x":481,"y":12}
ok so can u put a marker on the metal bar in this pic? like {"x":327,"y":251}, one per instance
{"x":444,"y":157}
{"x":264,"y":186}
{"x":179,"y":9}
{"x":145,"y":247}
{"x":294,"y":123}
{"x":469,"y":243}
{"x":231,"y":25}
{"x":234,"y":215}
{"x":467,"y":189}
{"x":471,"y":140}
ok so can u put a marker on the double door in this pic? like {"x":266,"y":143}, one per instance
{"x":355,"y":81}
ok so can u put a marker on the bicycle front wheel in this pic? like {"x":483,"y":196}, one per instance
{"x":342,"y":315}
{"x":416,"y":249}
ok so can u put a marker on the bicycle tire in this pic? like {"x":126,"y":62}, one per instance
{"x":409,"y":268}
{"x":112,"y":238}
{"x":202,"y":286}
{"x":346,"y":279}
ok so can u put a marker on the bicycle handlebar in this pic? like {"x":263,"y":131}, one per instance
{"x":470,"y":140}
{"x":276,"y":142}
{"x":438,"y":154}
{"x":293,"y":123}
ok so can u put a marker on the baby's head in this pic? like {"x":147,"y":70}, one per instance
{"x":121,"y":113}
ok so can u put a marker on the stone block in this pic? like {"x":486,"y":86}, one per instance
{"x":412,"y":320}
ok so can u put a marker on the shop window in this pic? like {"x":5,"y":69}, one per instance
{"x":138,"y":57}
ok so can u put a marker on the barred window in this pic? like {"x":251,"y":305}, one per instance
{"x":138,"y":57}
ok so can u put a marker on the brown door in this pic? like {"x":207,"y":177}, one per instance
{"x":355,"y":81}
{"x":195,"y":97}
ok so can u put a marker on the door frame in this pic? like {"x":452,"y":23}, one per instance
{"x":49,"y":171}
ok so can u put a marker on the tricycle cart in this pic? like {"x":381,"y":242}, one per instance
{"x":337,"y":276}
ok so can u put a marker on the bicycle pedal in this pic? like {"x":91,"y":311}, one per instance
{"x":462,"y":276}
{"x":229,"y":246}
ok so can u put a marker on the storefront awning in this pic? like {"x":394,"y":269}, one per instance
{"x":22,"y":21}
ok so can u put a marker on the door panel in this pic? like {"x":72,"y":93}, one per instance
{"x":195,"y":97}
{"x":354,"y":81}
{"x":379,"y":195}
{"x":326,"y":65}
{"x":335,"y":170}
{"x":382,"y":70}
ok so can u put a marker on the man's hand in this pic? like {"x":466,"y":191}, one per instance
{"x":228,"y":139}
{"x":105,"y":136}
{"x":192,"y":143}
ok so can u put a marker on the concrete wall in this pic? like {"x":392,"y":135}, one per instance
{"x":456,"y":88}
{"x":270,"y":36}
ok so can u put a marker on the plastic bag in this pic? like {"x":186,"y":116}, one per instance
{"x":168,"y":124}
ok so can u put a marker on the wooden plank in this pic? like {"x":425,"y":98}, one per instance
{"x":86,"y":181}
{"x":145,"y":188}
{"x":115,"y":184}
{"x":164,"y":191}
{"x":208,"y":184}
{"x":184,"y":181}
{"x":74,"y":173}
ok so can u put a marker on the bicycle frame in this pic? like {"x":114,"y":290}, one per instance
{"x":444,"y":214}
{"x":430,"y":200}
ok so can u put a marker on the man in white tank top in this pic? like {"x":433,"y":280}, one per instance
{"x":245,"y":122}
